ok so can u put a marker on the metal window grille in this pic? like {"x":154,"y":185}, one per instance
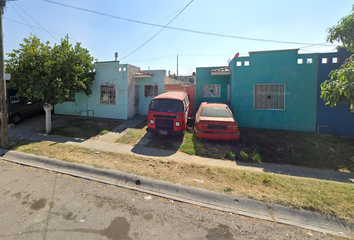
{"x":211,"y":90}
{"x":107,"y":94}
{"x":269,"y":96}
{"x":151,"y":90}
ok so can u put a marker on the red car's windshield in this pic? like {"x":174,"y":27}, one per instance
{"x":166,"y":105}
{"x":215,"y":112}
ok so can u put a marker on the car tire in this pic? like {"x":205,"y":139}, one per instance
{"x":16,"y":118}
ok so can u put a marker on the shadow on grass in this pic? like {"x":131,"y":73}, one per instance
{"x":158,"y":145}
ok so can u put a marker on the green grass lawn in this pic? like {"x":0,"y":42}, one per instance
{"x":85,"y":128}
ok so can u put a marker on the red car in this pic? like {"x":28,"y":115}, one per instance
{"x":215,"y":121}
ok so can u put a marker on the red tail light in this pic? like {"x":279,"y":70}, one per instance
{"x":232,"y":128}
{"x":202,"y":126}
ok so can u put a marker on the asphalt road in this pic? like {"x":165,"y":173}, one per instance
{"x":38,"y":204}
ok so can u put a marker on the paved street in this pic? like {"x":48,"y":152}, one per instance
{"x":37,"y":204}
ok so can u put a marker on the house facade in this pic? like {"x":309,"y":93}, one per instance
{"x":339,"y":119}
{"x":119,"y":91}
{"x":112,"y":93}
{"x":151,"y":83}
{"x":277,"y":90}
{"x":212,"y":87}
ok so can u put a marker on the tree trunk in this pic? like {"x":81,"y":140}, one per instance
{"x":48,"y":117}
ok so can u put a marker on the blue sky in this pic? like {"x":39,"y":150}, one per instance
{"x":300,"y":21}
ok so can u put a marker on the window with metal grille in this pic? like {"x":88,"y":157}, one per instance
{"x":151,"y":90}
{"x":211,"y":90}
{"x":108,"y":94}
{"x":269,"y":96}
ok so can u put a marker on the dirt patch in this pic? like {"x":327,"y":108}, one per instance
{"x":85,"y":128}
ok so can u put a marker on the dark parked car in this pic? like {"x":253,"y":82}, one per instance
{"x":20,"y":108}
{"x":215,"y":121}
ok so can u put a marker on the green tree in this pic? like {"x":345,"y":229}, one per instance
{"x":340,"y":87}
{"x":49,"y":74}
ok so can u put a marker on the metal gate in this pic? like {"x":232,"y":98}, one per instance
{"x":136,"y":99}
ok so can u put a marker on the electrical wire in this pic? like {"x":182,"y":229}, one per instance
{"x":204,"y":55}
{"x":150,"y":30}
{"x":179,"y":29}
{"x":60,"y":34}
{"x":157,"y":32}
{"x":36,"y":22}
{"x":154,"y":58}
{"x":26,"y":22}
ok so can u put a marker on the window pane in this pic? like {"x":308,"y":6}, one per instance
{"x":151,"y":90}
{"x":108,"y":94}
{"x":215,"y":112}
{"x":211,"y":90}
{"x":166,"y":105}
{"x":269,"y":96}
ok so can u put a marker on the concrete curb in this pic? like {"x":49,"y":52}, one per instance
{"x":246,"y":207}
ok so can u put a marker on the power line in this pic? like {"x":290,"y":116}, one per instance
{"x":60,"y":34}
{"x":26,"y":22}
{"x":158,"y":31}
{"x":178,"y":29}
{"x":154,"y":58}
{"x":205,"y":55}
{"x":36,"y":22}
{"x":149,"y":31}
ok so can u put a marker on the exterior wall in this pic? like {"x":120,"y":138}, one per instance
{"x":275,"y":67}
{"x":78,"y":108}
{"x":203,"y":77}
{"x":188,"y":88}
{"x":336,"y":120}
{"x":106,"y":73}
{"x":131,"y":83}
{"x":157,"y":78}
{"x":169,"y":80}
{"x":187,"y":79}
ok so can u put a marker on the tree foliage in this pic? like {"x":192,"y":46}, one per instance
{"x":49,"y":74}
{"x":343,"y":32}
{"x":340,"y":87}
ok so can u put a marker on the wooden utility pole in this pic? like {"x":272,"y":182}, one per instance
{"x":177,"y":66}
{"x":4,"y":134}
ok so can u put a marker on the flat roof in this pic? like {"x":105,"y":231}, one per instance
{"x":279,"y":50}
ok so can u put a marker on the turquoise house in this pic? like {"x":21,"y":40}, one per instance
{"x":119,"y":91}
{"x":112,"y":94}
{"x":212,"y":85}
{"x":339,"y":119}
{"x":275,"y":90}
{"x":150,"y":84}
{"x":267,"y":89}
